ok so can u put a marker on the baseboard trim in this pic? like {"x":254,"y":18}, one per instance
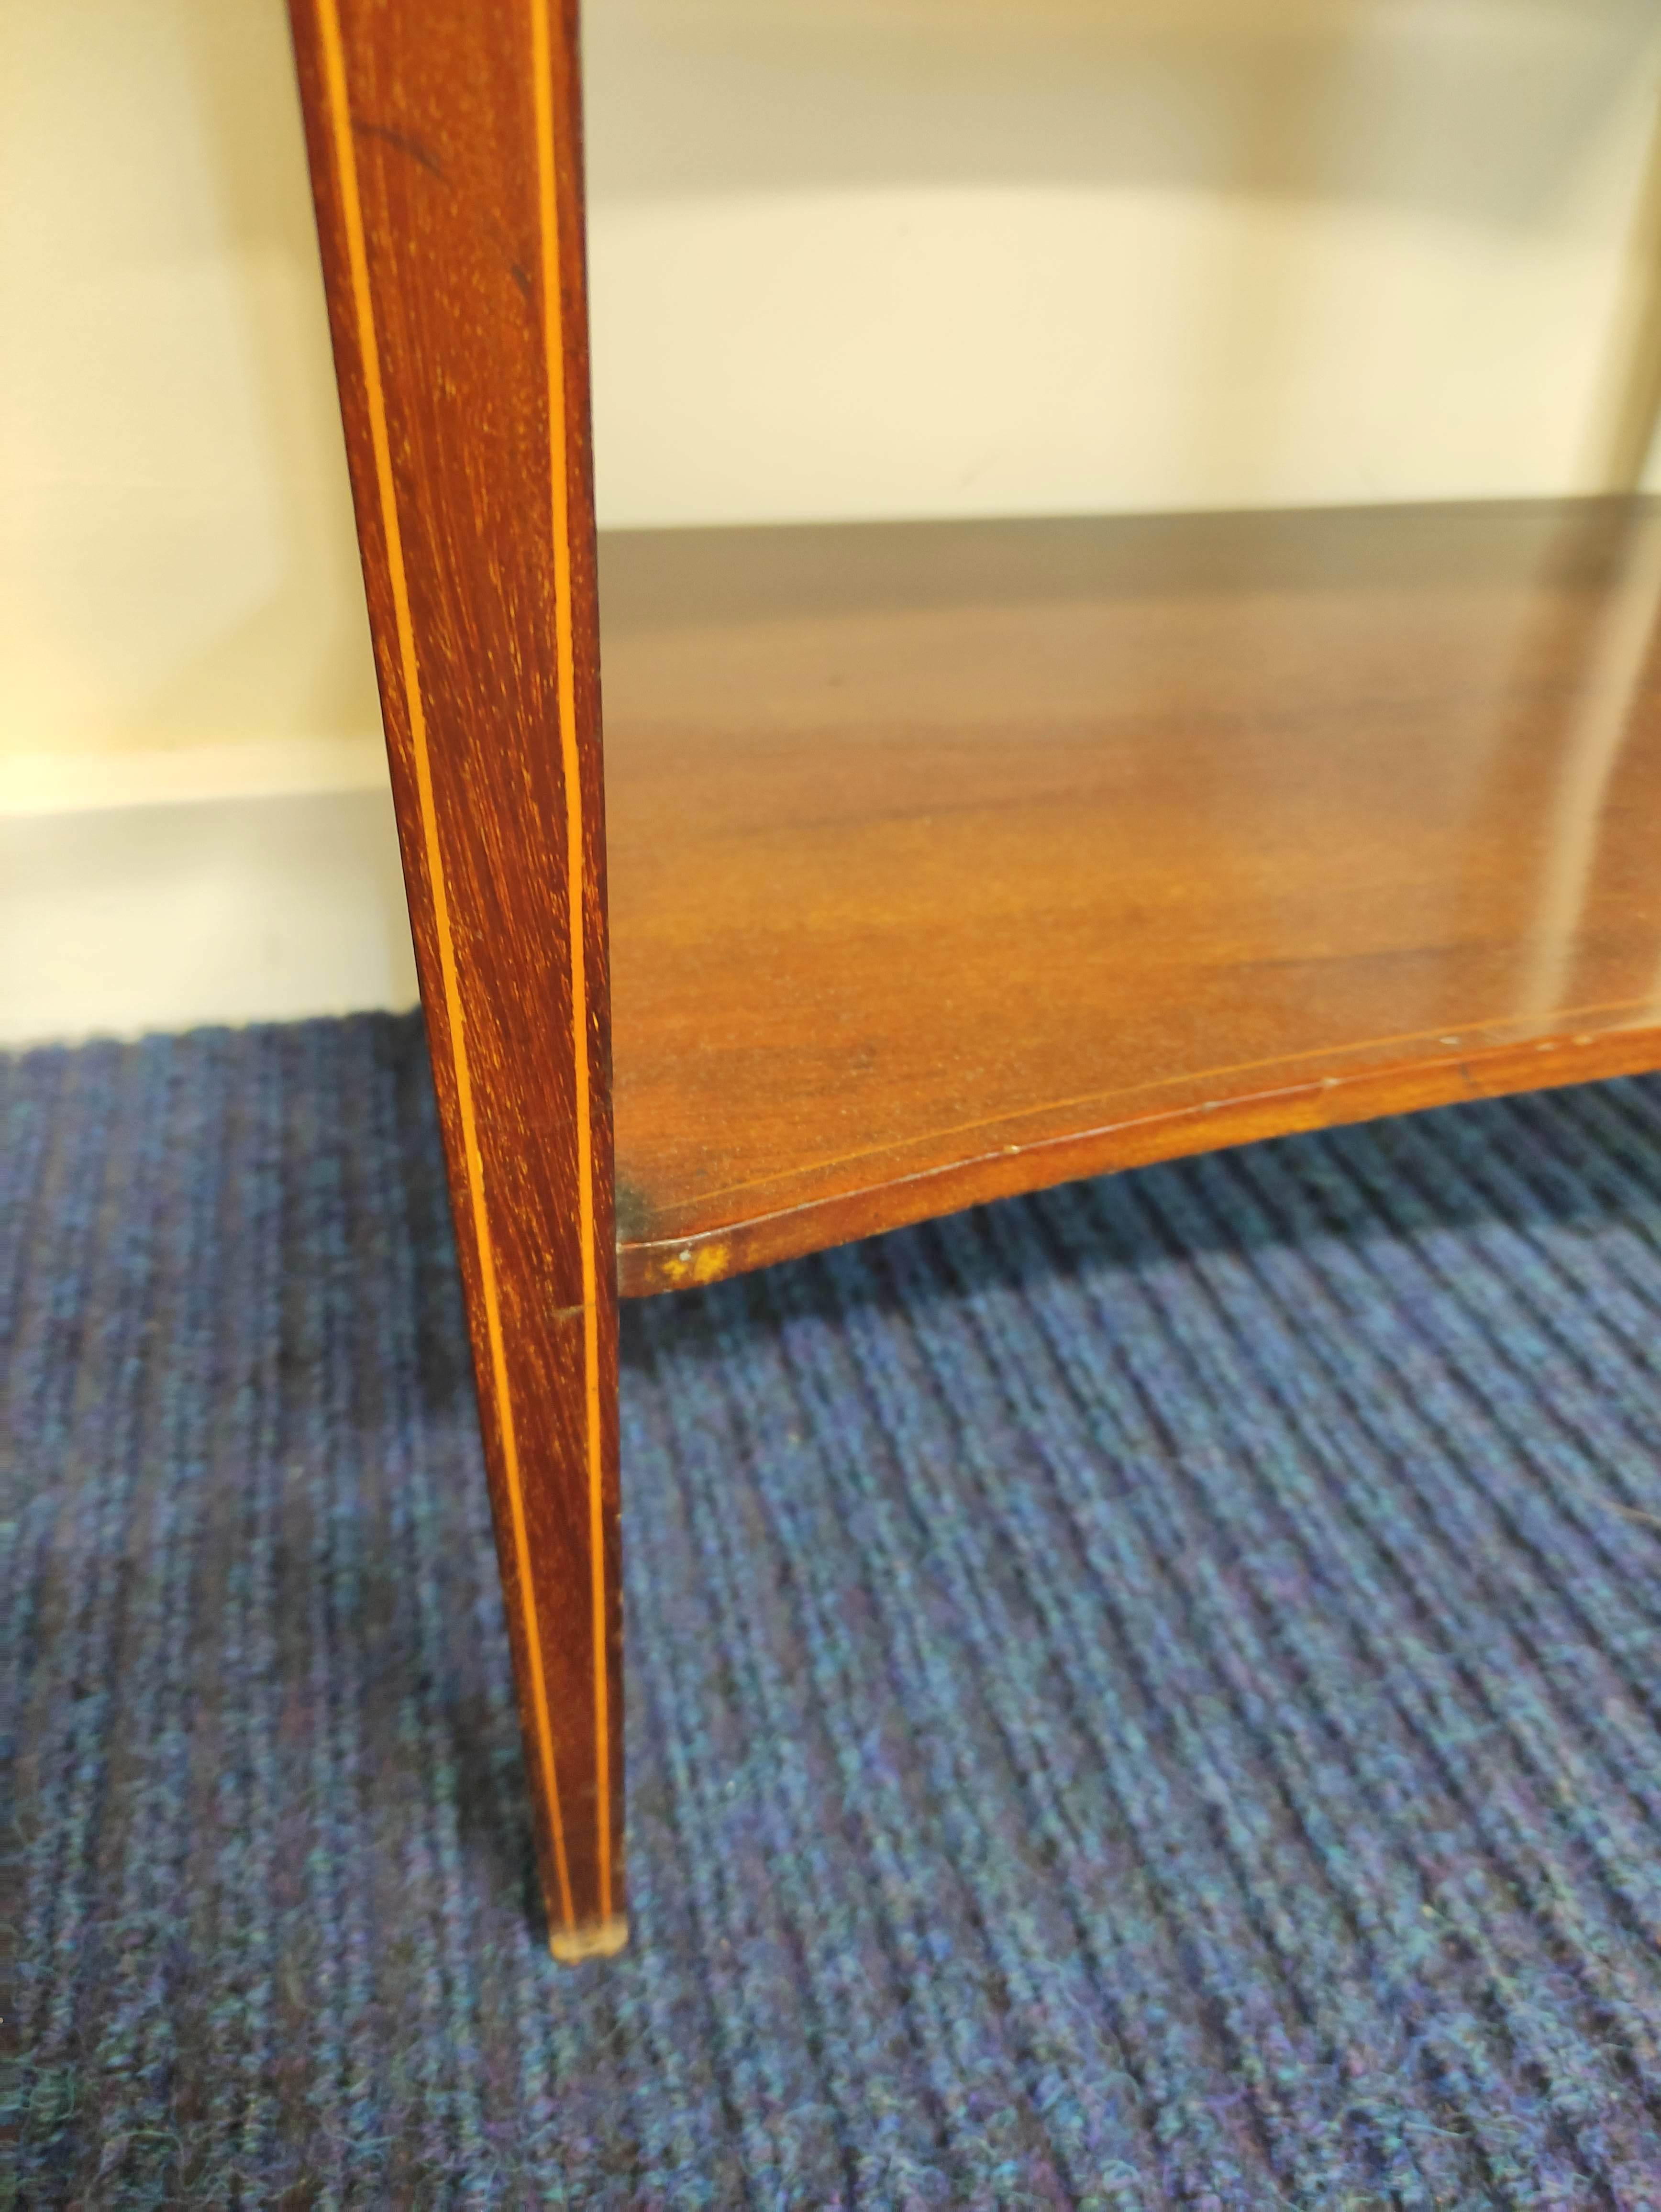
{"x":121,"y":919}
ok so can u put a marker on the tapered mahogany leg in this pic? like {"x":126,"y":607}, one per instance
{"x":445,"y":164}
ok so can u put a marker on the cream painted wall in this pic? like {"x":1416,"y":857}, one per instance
{"x":849,"y":258}
{"x":926,"y":257}
{"x":176,"y":559}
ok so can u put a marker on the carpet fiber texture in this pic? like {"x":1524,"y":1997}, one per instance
{"x":1146,"y":1695}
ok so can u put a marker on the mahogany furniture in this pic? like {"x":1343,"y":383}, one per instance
{"x":945,"y":860}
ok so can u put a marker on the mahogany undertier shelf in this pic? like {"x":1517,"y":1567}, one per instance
{"x":948,"y":860}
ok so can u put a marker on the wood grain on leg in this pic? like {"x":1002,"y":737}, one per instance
{"x":446,"y":164}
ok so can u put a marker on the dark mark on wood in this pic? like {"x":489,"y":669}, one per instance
{"x":405,"y":143}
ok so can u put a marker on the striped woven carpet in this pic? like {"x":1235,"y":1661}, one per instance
{"x":1144,"y":1696}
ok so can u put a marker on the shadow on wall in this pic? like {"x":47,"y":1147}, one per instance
{"x":1478,"y":109}
{"x":1491,"y":113}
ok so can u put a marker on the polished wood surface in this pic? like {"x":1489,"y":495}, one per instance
{"x":949,"y":860}
{"x":444,"y":145}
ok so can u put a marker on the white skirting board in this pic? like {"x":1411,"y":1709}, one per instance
{"x":165,"y":916}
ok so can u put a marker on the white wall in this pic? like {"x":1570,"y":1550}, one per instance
{"x":849,"y":258}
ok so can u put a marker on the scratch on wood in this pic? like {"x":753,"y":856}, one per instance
{"x":405,"y":143}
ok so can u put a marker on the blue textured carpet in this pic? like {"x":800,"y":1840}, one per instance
{"x":1144,"y":1696}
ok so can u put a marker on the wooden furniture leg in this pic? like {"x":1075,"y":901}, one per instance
{"x":952,"y":860}
{"x":446,"y":170}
